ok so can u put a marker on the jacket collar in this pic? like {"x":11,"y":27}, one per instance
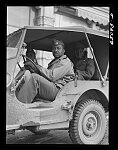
{"x":62,"y":57}
{"x":57,"y":60}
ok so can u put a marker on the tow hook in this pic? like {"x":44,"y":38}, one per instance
{"x":69,"y":107}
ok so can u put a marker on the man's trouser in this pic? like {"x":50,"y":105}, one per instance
{"x":34,"y":84}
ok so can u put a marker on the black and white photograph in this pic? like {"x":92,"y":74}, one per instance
{"x":57,"y":68}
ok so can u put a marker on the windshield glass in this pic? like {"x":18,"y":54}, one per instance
{"x":13,"y":39}
{"x":11,"y":52}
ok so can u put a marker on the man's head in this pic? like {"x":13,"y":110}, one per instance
{"x":58,"y":48}
{"x":80,"y":52}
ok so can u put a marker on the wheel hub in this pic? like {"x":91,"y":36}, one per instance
{"x":89,"y":124}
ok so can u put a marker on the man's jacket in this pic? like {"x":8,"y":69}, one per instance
{"x":85,"y":68}
{"x":60,"y":71}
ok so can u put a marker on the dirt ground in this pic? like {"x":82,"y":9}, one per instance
{"x":53,"y":137}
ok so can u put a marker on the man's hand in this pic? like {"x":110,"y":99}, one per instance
{"x":30,"y":66}
{"x":29,"y":63}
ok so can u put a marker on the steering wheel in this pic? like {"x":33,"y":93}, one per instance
{"x":19,"y":76}
{"x":35,"y":68}
{"x":25,"y":57}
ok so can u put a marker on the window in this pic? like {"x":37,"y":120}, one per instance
{"x":66,"y":9}
{"x":44,"y":57}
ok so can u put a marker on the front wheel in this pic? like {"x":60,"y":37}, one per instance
{"x":88,"y":125}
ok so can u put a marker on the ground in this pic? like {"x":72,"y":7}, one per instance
{"x":53,"y":137}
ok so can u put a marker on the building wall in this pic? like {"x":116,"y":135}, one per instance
{"x":91,"y":17}
{"x":17,"y":17}
{"x":20,"y":16}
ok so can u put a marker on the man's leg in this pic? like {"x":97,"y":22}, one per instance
{"x":20,"y":90}
{"x":27,"y":75}
{"x":37,"y":84}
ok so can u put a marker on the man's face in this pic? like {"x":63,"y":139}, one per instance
{"x":79,"y":53}
{"x":58,"y":51}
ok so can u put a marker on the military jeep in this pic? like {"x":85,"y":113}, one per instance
{"x":80,"y":106}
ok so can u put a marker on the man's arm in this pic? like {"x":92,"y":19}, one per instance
{"x":58,"y":72}
{"x":89,"y":72}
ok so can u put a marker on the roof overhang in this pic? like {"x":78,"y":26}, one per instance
{"x":94,"y":14}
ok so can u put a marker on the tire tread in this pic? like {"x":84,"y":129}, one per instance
{"x":73,"y":127}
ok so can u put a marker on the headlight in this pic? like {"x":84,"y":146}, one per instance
{"x":8,"y":78}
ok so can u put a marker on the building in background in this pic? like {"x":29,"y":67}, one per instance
{"x":56,"y":16}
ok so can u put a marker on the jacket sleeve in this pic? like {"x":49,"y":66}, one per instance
{"x":58,"y":72}
{"x":89,"y":71}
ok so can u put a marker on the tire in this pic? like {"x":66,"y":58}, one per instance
{"x":34,"y":130}
{"x":88,"y":125}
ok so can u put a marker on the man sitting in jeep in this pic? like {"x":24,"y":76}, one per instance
{"x":84,"y":66}
{"x":47,"y":82}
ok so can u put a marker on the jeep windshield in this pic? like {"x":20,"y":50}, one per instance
{"x":13,"y":43}
{"x":14,"y":38}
